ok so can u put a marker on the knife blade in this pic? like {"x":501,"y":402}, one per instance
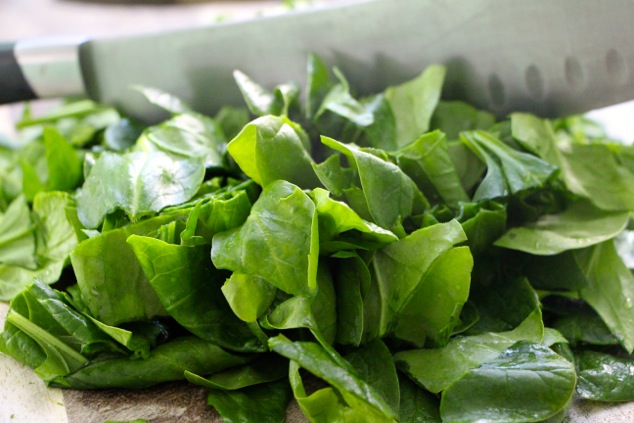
{"x":549,"y":57}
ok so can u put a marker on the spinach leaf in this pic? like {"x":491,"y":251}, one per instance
{"x":316,"y":312}
{"x":417,"y":405}
{"x":46,"y":333}
{"x":188,"y":287}
{"x":188,"y":135}
{"x":65,"y":168}
{"x":352,"y":281}
{"x":609,"y":290}
{"x":427,"y":162}
{"x":248,"y":296}
{"x":355,"y":392}
{"x":581,"y":225}
{"x":454,"y":117}
{"x":374,"y":364}
{"x":508,"y":171}
{"x":340,"y":102}
{"x":464,"y":353}
{"x":339,"y":224}
{"x":413,"y":103}
{"x":526,"y":383}
{"x":111,"y":279}
{"x":604,"y":377}
{"x":261,"y":403}
{"x":389,"y":194}
{"x":268,"y":368}
{"x":408,"y":281}
{"x":609,"y":189}
{"x":317,"y":85}
{"x":261,"y":101}
{"x":17,"y":240}
{"x":258,"y":147}
{"x":122,"y":134}
{"x":278,"y":242}
{"x":167,"y":362}
{"x":139,"y":183}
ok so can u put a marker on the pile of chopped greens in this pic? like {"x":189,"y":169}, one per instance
{"x":389,"y":258}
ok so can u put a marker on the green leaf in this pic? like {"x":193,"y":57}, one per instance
{"x":65,"y":168}
{"x":454,"y":117}
{"x":537,"y":136}
{"x":414,"y":102}
{"x":260,"y":403}
{"x":434,"y":308}
{"x":609,"y":290}
{"x":317,"y":85}
{"x":611,"y":189}
{"x":188,"y":135}
{"x":122,"y":134}
{"x":316,"y":312}
{"x":267,"y":368}
{"x":390,"y":195}
{"x":338,"y":221}
{"x":340,"y":102}
{"x":112,"y":283}
{"x":56,"y":237}
{"x":46,"y":333}
{"x":188,"y":287}
{"x":231,"y":120}
{"x":138,"y":183}
{"x":258,"y":147}
{"x":263,"y":102}
{"x":404,"y":267}
{"x":17,"y":240}
{"x":427,"y":162}
{"x":355,"y":392}
{"x":351,"y":282}
{"x":584,"y":326}
{"x":603,"y":377}
{"x":464,"y":353}
{"x":417,"y":405}
{"x":278,"y":242}
{"x":526,"y":383}
{"x":508,"y":171}
{"x":579,"y":226}
{"x":374,"y":364}
{"x":167,"y":362}
{"x":248,"y":296}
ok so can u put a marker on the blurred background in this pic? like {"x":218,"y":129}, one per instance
{"x":20,"y":19}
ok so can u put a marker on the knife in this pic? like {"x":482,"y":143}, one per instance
{"x":549,"y":57}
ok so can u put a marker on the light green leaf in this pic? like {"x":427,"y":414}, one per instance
{"x":259,"y":146}
{"x":414,"y":102}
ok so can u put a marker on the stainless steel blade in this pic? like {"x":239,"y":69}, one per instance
{"x":550,"y":57}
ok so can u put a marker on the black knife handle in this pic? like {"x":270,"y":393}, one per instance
{"x":13,"y":85}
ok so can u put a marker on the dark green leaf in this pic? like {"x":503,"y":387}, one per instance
{"x":167,"y":362}
{"x":261,"y":403}
{"x":526,"y":383}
